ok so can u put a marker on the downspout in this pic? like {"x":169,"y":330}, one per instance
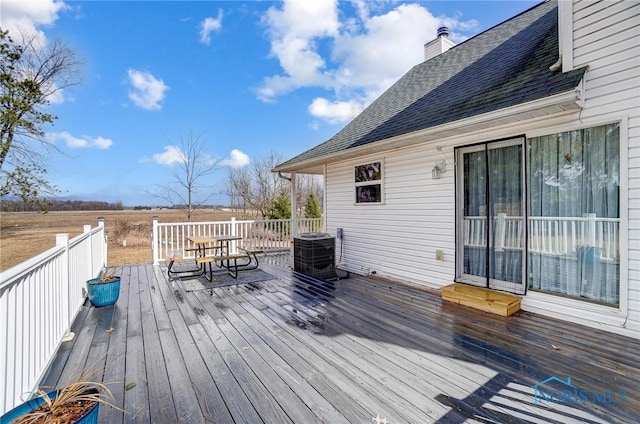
{"x":284,"y":177}
{"x":558,"y":65}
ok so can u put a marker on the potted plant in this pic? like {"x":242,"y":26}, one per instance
{"x":104,"y":290}
{"x":76,"y":402}
{"x":587,"y":253}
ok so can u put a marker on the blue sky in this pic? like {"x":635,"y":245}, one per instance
{"x":248,"y":77}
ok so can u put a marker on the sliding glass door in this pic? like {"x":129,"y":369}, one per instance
{"x":490,"y":215}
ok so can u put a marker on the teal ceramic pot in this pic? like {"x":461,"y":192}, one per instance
{"x":90,"y":417}
{"x":103,"y":294}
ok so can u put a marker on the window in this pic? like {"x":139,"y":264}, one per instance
{"x":574,"y":213}
{"x":368,"y":183}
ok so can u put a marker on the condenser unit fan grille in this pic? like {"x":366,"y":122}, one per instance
{"x":314,"y":255}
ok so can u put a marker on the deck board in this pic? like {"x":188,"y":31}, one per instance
{"x":299,"y":350}
{"x":161,"y":408}
{"x":305,"y":373}
{"x":238,"y":406}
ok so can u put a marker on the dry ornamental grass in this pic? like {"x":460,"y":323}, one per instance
{"x":24,"y":235}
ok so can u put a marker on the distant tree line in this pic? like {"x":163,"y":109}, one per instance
{"x":184,"y":207}
{"x":59,"y":205}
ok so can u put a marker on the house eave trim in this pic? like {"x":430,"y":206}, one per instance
{"x":551,"y":105}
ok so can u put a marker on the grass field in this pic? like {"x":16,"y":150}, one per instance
{"x":26,"y":234}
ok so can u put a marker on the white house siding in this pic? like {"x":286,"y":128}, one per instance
{"x":399,"y":239}
{"x":606,"y":38}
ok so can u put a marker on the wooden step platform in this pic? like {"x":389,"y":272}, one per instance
{"x":496,"y":302}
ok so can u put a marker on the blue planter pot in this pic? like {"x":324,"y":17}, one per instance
{"x":103,"y":294}
{"x":588,"y":254}
{"x":90,"y":417}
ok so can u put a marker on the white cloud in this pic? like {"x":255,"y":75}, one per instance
{"x":387,"y":46}
{"x":147,"y":91}
{"x":22,"y":19}
{"x":208,"y":26}
{"x":334,"y":112}
{"x":171,"y":155}
{"x":237,"y":159}
{"x":25,"y":16}
{"x":294,"y":30}
{"x":356,"y":58}
{"x":84,"y":142}
{"x":57,"y":96}
{"x":102,"y":143}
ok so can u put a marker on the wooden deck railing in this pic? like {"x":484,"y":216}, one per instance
{"x":268,"y":235}
{"x":39,"y":299}
{"x":547,"y":235}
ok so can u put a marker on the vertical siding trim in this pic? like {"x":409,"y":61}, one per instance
{"x":623,"y":243}
{"x":565,"y":34}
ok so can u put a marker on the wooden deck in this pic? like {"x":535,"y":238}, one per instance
{"x":357,"y":350}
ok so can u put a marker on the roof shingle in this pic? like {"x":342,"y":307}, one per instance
{"x":504,"y":66}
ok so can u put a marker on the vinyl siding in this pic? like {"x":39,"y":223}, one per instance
{"x":606,"y":37}
{"x":399,"y":238}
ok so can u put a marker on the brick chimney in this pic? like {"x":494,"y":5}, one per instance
{"x":440,"y":45}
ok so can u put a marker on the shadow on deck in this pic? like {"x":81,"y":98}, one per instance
{"x":297,"y":349}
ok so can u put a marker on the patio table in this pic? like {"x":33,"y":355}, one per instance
{"x":221,"y":246}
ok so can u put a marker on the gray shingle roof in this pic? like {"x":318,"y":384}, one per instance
{"x":504,"y":66}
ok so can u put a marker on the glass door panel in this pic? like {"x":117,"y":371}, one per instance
{"x":490,"y":216}
{"x":472,"y":216}
{"x":506,"y":216}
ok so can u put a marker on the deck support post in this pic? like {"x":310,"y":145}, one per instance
{"x":294,"y":215}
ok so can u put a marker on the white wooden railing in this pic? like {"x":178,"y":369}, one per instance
{"x":268,"y":235}
{"x":547,"y":235}
{"x":39,"y":299}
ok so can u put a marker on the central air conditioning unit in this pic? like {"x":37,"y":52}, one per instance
{"x":314,"y":255}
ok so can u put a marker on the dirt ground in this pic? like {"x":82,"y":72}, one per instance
{"x":26,"y":234}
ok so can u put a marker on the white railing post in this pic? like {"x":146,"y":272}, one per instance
{"x":86,"y":229}
{"x":65,"y":271}
{"x":591,"y":229}
{"x":501,"y":220}
{"x":105,"y":244}
{"x":234,"y":232}
{"x":154,"y":240}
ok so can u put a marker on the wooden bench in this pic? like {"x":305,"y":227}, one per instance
{"x":220,"y":258}
{"x":203,"y":261}
{"x":174,"y":256}
{"x":252,"y":252}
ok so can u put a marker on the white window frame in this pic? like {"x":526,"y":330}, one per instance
{"x":566,"y":307}
{"x":358,"y":184}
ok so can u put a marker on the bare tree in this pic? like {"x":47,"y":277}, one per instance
{"x":254,"y":188}
{"x":190,"y":168}
{"x":237,"y":189}
{"x":31,"y":74}
{"x":305,"y":185}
